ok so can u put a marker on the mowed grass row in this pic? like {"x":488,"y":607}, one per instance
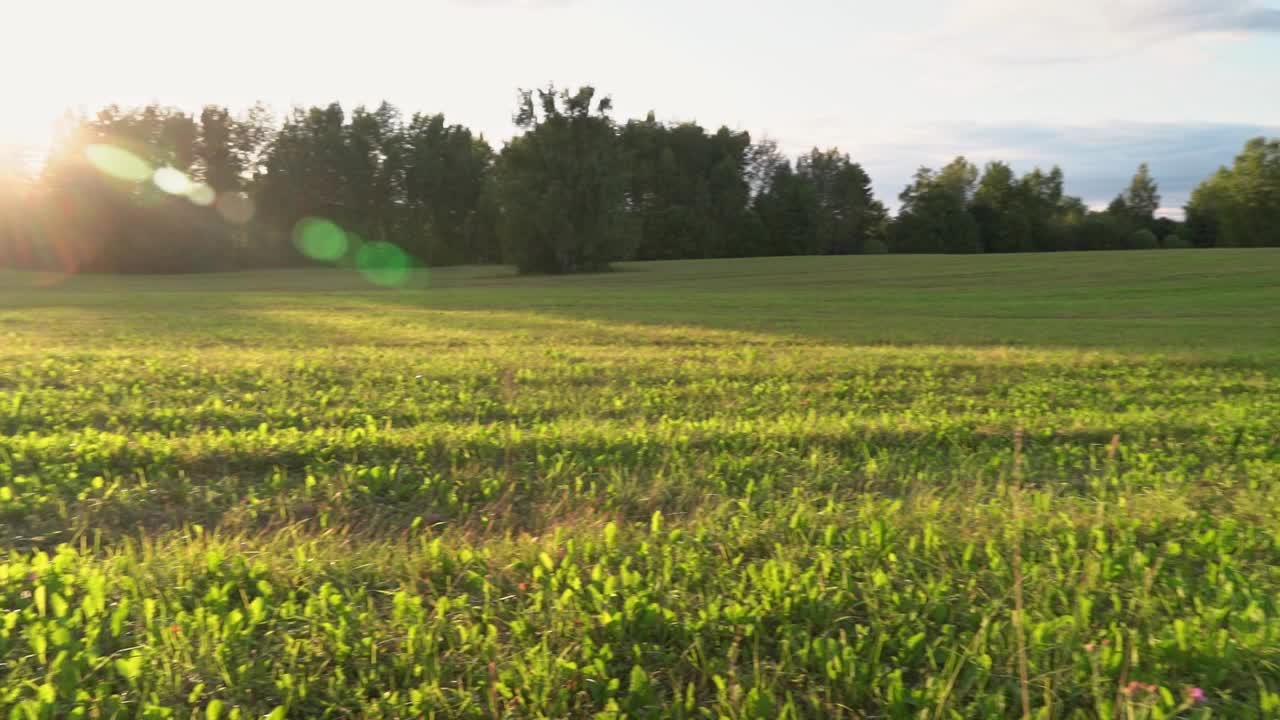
{"x":632,"y":430}
{"x":707,"y":489}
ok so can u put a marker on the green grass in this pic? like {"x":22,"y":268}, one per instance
{"x":791,"y":487}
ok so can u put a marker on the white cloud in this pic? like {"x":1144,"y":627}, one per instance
{"x":1093,"y":30}
{"x":1200,"y":16}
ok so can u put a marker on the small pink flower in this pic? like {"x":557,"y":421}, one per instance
{"x":1134,"y":687}
{"x":1195,"y":696}
{"x":1090,"y":647}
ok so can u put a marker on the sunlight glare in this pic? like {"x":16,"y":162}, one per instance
{"x":117,"y":162}
{"x":201,"y":194}
{"x":172,"y":181}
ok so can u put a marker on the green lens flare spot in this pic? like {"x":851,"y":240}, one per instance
{"x":320,"y":239}
{"x":118,"y":163}
{"x":383,"y":264}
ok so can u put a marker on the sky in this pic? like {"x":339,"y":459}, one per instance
{"x":1096,"y":86}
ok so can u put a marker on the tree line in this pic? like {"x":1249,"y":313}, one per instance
{"x":155,"y":189}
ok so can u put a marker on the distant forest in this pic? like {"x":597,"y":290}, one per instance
{"x":154,"y":189}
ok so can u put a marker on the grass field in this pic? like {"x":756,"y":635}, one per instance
{"x":859,"y":487}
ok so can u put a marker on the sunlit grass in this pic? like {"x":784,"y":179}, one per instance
{"x":762,"y":488}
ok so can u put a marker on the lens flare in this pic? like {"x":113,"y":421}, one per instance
{"x":383,"y":264}
{"x":355,"y":242}
{"x":319,"y":239}
{"x":172,"y":181}
{"x":236,"y":207}
{"x":118,"y":162}
{"x":201,"y":194}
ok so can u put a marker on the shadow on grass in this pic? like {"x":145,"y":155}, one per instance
{"x":1217,"y":303}
{"x":488,"y":483}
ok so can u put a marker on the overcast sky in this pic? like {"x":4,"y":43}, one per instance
{"x":1096,"y":86}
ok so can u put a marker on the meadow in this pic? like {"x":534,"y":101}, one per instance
{"x":829,"y":487}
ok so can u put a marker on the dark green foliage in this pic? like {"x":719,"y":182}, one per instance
{"x":447,"y":194}
{"x":788,"y":210}
{"x":1049,"y":212}
{"x":373,"y":161}
{"x":935,"y":215}
{"x":955,"y":211}
{"x":1002,"y":221}
{"x":1143,"y":239}
{"x":303,"y":177}
{"x":1240,"y":206}
{"x":1142,"y":199}
{"x":1100,"y":231}
{"x":847,"y":216}
{"x":1164,"y":227}
{"x":562,"y":185}
{"x":221,"y":162}
{"x":572,"y":193}
{"x":688,"y":190}
{"x":1203,"y":218}
{"x":1175,"y":241}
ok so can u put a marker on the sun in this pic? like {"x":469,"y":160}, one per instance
{"x":25,"y":141}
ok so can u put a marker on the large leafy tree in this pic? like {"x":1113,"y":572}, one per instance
{"x":762,"y":163}
{"x":1142,"y":198}
{"x":935,"y":217}
{"x":303,"y":172}
{"x":447,"y":192}
{"x":1239,"y":206}
{"x":374,"y":169}
{"x":688,"y":193}
{"x":728,"y":193}
{"x":1049,"y":214}
{"x":847,"y":216}
{"x":788,"y":212}
{"x":998,"y":211}
{"x":562,"y":185}
{"x":227,"y":151}
{"x":425,"y":186}
{"x":220,"y":162}
{"x":1008,"y":213}
{"x":322,"y":165}
{"x":298,"y":180}
{"x":1129,"y":212}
